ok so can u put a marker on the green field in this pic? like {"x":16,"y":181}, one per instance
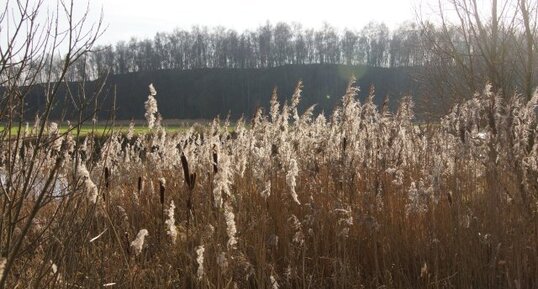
{"x":102,"y":129}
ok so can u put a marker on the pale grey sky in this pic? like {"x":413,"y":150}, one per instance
{"x":143,"y":18}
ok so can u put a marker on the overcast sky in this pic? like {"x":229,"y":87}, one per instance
{"x":144,"y":18}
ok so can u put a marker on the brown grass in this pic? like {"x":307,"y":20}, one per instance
{"x":355,"y":227}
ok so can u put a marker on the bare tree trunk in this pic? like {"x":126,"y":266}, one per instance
{"x":529,"y":39}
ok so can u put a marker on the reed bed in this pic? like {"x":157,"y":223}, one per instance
{"x":364,"y":198}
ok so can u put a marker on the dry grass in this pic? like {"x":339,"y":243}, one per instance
{"x":382,"y":203}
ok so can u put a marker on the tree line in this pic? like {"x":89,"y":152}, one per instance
{"x":497,"y":47}
{"x":267,"y":46}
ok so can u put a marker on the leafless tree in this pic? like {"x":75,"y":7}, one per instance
{"x":41,"y":41}
{"x":475,"y":42}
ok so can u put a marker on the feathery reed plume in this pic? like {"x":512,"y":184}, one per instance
{"x":151,"y":190}
{"x":138,"y":243}
{"x":345,"y":221}
{"x":200,"y":260}
{"x":151,"y":107}
{"x":171,"y":223}
{"x":222,"y":179}
{"x":130,"y":132}
{"x":417,"y":198}
{"x":298,"y":237}
{"x":291,"y":176}
{"x":55,"y":135}
{"x":231,"y":230}
{"x":88,"y":185}
{"x":295,"y":99}
{"x":424,"y":270}
{"x":267,"y":190}
{"x":53,"y":267}
{"x":222,"y":261}
{"x":2,"y":266}
{"x":152,"y":90}
{"x":274,"y":111}
{"x":385,"y":110}
{"x":274,"y":283}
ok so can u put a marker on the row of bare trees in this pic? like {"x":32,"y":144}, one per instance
{"x":267,"y":46}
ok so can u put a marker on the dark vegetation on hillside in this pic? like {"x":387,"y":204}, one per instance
{"x":207,"y":93}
